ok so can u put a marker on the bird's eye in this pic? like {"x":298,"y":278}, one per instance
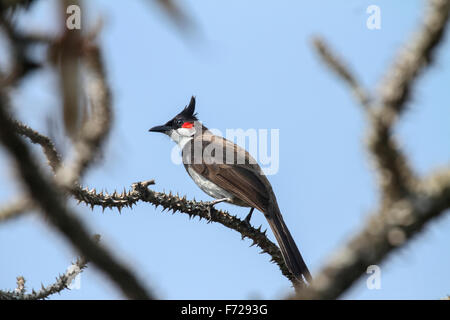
{"x":179,"y":122}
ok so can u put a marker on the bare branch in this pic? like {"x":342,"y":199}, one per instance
{"x":96,"y":128}
{"x":408,"y":203}
{"x":396,"y":178}
{"x":141,"y":192}
{"x":23,"y":63}
{"x":69,"y":50}
{"x":50,"y":201}
{"x":386,"y":231}
{"x":62,"y":282}
{"x":177,"y":15}
{"x":343,"y":72}
{"x":417,"y":55}
{"x":14,"y":209}
{"x":53,"y":157}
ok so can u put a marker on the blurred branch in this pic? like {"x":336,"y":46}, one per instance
{"x":53,"y":157}
{"x":14,"y":4}
{"x":388,"y":229}
{"x":408,"y":204}
{"x":395,"y":175}
{"x":176,"y":14}
{"x":52,"y":205}
{"x":342,"y":71}
{"x":415,"y":57}
{"x":68,"y":51}
{"x":14,"y":209}
{"x":97,"y":126}
{"x":22,"y":63}
{"x":62,"y":282}
{"x":396,"y":178}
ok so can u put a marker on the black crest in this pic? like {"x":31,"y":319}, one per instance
{"x":189,"y":111}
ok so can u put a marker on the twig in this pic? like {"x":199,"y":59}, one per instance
{"x":396,"y":177}
{"x":386,"y":231}
{"x":95,"y":130}
{"x":53,"y":157}
{"x":141,"y":192}
{"x":62,"y":282}
{"x":416,"y":56}
{"x":50,"y":201}
{"x":408,"y":204}
{"x":14,"y":209}
{"x":343,"y":72}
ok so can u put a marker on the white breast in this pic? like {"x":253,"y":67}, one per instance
{"x":207,"y":186}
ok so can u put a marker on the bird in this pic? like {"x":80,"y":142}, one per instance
{"x":228,"y":173}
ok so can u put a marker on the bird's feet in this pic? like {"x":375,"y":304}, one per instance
{"x":210,"y":206}
{"x":248,"y":217}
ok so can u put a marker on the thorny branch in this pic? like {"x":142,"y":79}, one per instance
{"x":140,"y":192}
{"x":408,"y":203}
{"x":47,"y":196}
{"x":62,"y":282}
{"x":49,"y":149}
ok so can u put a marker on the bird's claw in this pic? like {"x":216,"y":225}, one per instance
{"x":209,"y":212}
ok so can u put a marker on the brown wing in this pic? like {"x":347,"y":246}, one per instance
{"x":243,"y":180}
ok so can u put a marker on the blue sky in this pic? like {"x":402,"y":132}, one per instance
{"x":251,"y":66}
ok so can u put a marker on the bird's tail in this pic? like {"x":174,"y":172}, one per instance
{"x":291,"y":255}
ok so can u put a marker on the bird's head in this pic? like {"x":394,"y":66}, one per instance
{"x":182,"y":126}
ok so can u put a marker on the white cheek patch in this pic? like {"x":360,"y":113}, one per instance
{"x":182,"y":136}
{"x":186,"y":132}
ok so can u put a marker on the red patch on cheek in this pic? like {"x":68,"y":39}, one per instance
{"x":187,"y":125}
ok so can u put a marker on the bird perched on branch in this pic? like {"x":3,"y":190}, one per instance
{"x":230,"y":174}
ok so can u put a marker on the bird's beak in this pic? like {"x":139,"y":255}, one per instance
{"x":161,"y":129}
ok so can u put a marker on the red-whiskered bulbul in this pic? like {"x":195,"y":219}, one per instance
{"x":229,"y":173}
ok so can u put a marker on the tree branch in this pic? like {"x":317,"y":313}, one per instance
{"x":408,"y":204}
{"x":342,"y":71}
{"x":96,"y":128}
{"x":49,"y":149}
{"x":50,"y":201}
{"x":14,"y":209}
{"x":62,"y":282}
{"x":140,"y":192}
